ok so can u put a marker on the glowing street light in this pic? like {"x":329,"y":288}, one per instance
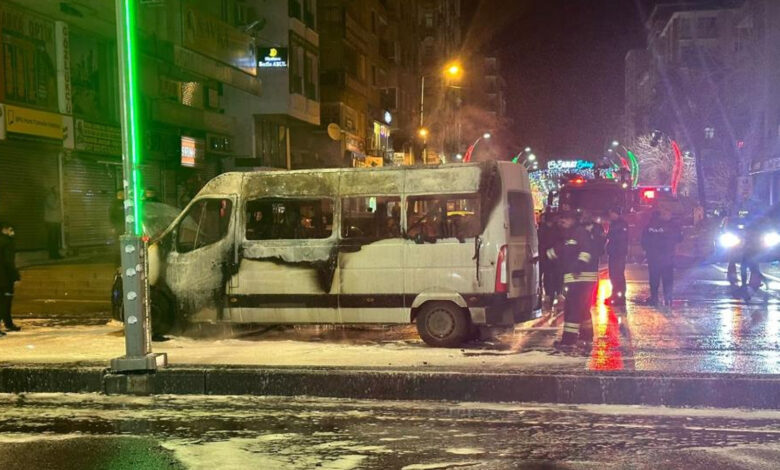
{"x":486,"y":135}
{"x":453,"y":70}
{"x":615,"y":144}
{"x":531,"y":157}
{"x":423,"y":132}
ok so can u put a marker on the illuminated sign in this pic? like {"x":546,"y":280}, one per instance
{"x":570,"y":165}
{"x":272,"y":57}
{"x":191,"y":151}
{"x":33,"y":122}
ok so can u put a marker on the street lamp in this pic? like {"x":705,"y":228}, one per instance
{"x":452,"y":70}
{"x":473,"y":146}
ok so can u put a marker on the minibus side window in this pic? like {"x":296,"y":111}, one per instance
{"x":437,"y":217}
{"x":371,"y":218}
{"x":289,"y":219}
{"x":206,"y":223}
{"x":520,"y":207}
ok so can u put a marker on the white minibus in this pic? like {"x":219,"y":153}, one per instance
{"x":451,"y":248}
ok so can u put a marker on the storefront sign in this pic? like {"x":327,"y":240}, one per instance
{"x":772,"y":164}
{"x":192,"y":151}
{"x":98,"y":138}
{"x":272,"y":57}
{"x":27,"y":41}
{"x":374,"y":161}
{"x":214,"y":38}
{"x":33,"y":122}
{"x":63,"y":68}
{"x":570,"y":165}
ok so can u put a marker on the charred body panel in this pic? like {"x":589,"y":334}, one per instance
{"x":319,"y":272}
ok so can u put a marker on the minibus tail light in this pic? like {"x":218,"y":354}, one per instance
{"x":501,"y":270}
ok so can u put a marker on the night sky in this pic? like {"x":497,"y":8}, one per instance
{"x":564,"y":65}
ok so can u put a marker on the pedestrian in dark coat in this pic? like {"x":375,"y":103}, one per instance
{"x":8,"y":274}
{"x":617,"y":250}
{"x":552,"y":279}
{"x":659,"y":241}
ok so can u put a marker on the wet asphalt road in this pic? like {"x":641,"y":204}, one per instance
{"x":707,"y":329}
{"x":96,"y":432}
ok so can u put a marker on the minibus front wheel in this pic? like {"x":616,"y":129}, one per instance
{"x":162,"y":313}
{"x":443,"y":324}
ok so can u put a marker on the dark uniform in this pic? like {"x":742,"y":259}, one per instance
{"x":659,"y":241}
{"x":549,"y":236}
{"x":617,"y":250}
{"x":8,"y":276}
{"x":577,"y":257}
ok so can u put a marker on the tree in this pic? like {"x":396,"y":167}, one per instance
{"x":656,"y":164}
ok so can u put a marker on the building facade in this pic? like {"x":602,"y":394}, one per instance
{"x":690,"y":84}
{"x":287,"y":42}
{"x":441,"y":40}
{"x":59,"y":101}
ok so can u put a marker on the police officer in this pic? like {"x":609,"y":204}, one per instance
{"x":577,"y":258}
{"x":659,"y":241}
{"x":8,"y":275}
{"x":617,"y":250}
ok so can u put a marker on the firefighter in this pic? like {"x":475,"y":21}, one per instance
{"x":576,"y":255}
{"x":617,"y":249}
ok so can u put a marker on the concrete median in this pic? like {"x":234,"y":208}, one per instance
{"x":708,"y":390}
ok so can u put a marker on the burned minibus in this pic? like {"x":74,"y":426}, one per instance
{"x":451,"y":248}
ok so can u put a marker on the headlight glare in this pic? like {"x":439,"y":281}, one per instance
{"x":729,"y":240}
{"x":771,"y":239}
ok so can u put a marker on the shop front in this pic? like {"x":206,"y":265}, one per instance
{"x":766,"y":174}
{"x":30,"y":152}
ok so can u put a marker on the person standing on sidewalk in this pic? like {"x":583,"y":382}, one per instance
{"x":659,"y":241}
{"x":617,"y":250}
{"x":577,"y":258}
{"x":8,"y":274}
{"x":52,"y":216}
{"x":548,"y":238}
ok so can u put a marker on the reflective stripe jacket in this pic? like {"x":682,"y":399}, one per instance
{"x":577,"y":256}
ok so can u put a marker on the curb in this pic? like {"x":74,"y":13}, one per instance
{"x":655,"y":389}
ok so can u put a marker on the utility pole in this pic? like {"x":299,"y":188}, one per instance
{"x":138,"y":344}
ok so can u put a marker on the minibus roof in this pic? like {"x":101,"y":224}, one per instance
{"x":441,"y":179}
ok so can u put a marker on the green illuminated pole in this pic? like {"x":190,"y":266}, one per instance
{"x":138,"y":345}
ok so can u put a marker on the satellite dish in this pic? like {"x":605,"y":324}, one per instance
{"x":334,"y":131}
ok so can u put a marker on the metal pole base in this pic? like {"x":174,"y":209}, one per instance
{"x":148,"y":363}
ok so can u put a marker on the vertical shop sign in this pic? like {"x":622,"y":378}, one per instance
{"x":63,"y":68}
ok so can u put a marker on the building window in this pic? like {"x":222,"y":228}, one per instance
{"x":295,"y":9}
{"x":311,"y":76}
{"x":296,"y":68}
{"x":271,"y":144}
{"x":428,"y":20}
{"x":309,"y":15}
{"x":709,"y":133}
{"x":707,"y":28}
{"x":686,"y":28}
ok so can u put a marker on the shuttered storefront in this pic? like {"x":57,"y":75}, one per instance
{"x":89,"y":191}
{"x":27,"y":171}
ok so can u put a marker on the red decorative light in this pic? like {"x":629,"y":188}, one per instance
{"x":578,"y":180}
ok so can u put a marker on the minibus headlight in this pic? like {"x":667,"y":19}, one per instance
{"x":729,"y":240}
{"x":771,"y":239}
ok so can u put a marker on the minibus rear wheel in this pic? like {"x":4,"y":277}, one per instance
{"x":443,"y":324}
